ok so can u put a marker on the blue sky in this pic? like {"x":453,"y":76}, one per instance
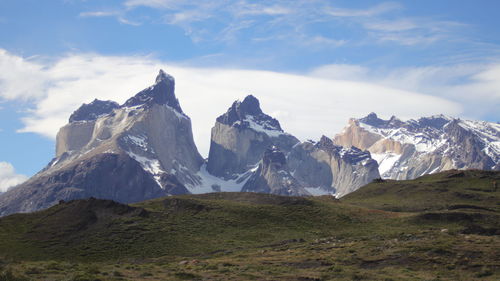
{"x":312,"y":63}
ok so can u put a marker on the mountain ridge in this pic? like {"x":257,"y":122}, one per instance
{"x":148,"y":141}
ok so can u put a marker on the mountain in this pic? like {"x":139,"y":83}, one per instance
{"x":140,"y":150}
{"x":144,"y":149}
{"x":240,"y":136}
{"x":244,"y":134}
{"x":442,"y":226}
{"x":409,"y":149}
{"x":326,"y":168}
{"x":272,"y":176}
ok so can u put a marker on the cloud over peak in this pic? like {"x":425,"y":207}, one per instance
{"x":309,"y":105}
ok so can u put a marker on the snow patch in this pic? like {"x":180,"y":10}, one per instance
{"x":265,"y":128}
{"x":386,"y":162}
{"x":139,"y":141}
{"x":209,"y":182}
{"x":152,"y":166}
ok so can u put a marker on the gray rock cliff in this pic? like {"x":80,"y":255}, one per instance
{"x":272,"y":176}
{"x":324,"y":167}
{"x":240,"y":137}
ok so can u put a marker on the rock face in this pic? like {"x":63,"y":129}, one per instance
{"x":140,"y":150}
{"x":240,"y":137}
{"x":272,"y":176}
{"x":326,"y":168}
{"x":409,"y":149}
{"x":115,"y":176}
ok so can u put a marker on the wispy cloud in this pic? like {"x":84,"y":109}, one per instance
{"x":119,"y":15}
{"x":413,"y":31}
{"x":391,"y":26}
{"x":97,"y":14}
{"x":227,"y":21}
{"x":333,"y":92}
{"x":159,"y":4}
{"x":305,"y":23}
{"x":476,"y":86}
{"x":369,"y":12}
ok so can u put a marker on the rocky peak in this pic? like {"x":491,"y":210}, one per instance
{"x":241,"y":136}
{"x":372,"y":120}
{"x":326,"y":142}
{"x":163,"y":77}
{"x":93,"y":110}
{"x":247,"y":113}
{"x":436,"y":121}
{"x":250,"y":106}
{"x":162,"y":93}
{"x":395,"y":122}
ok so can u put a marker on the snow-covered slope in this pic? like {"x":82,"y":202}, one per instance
{"x":408,"y":149}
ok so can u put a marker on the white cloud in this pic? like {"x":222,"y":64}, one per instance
{"x":307,"y":105}
{"x":21,"y":78}
{"x":8,"y":176}
{"x":475,"y":86}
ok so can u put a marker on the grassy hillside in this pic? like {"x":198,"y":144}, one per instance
{"x":371,"y":235}
{"x":450,"y":190}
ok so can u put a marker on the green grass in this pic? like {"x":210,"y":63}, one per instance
{"x":376,"y":233}
{"x":448,"y":190}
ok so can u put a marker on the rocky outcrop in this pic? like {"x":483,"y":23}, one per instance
{"x":139,"y":150}
{"x":240,"y":137}
{"x":409,"y":149}
{"x":93,"y":110}
{"x":272,"y":176}
{"x":326,"y":168}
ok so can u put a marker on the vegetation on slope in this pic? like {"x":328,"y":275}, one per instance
{"x":448,"y":230}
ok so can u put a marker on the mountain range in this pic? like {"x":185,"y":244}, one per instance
{"x":144,"y":149}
